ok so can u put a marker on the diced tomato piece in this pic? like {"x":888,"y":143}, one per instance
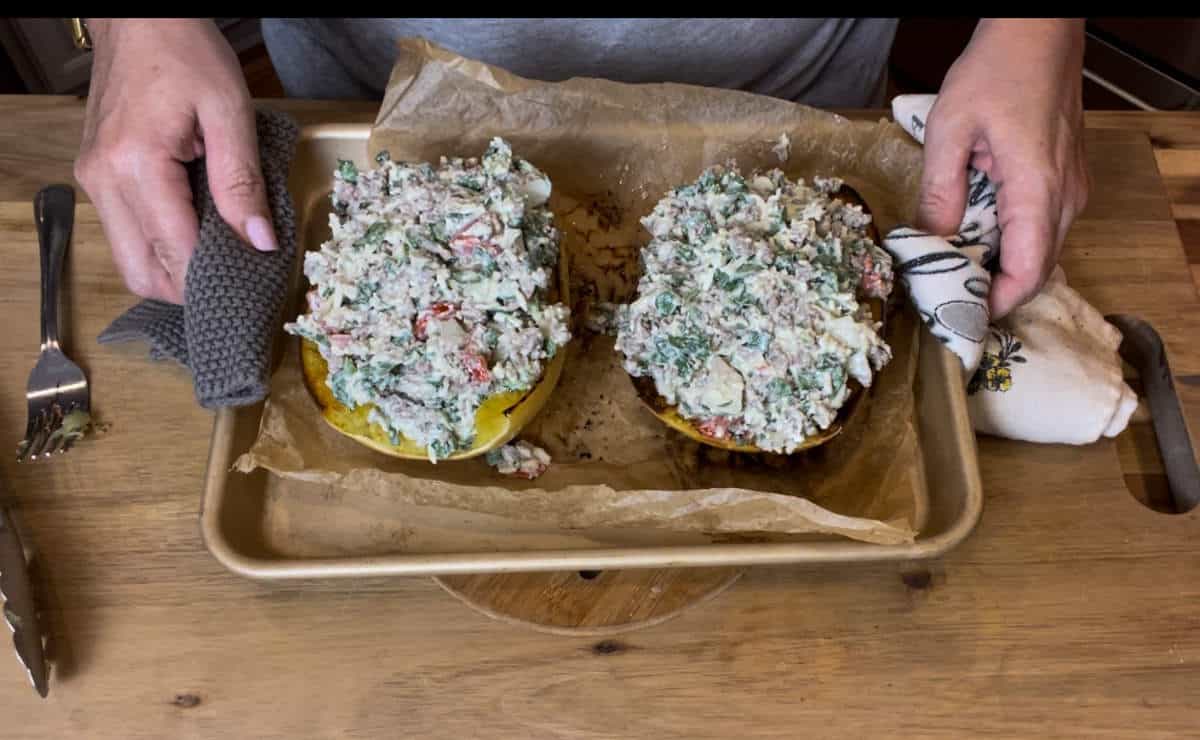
{"x":534,"y":471}
{"x":439,"y":311}
{"x":464,"y":242}
{"x":872,"y":281}
{"x":714,"y":428}
{"x":477,"y":367}
{"x":466,"y":245}
{"x":465,"y":227}
{"x":340,"y":341}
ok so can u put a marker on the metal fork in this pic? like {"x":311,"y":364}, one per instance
{"x":57,"y":394}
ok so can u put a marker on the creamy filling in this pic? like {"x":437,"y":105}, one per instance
{"x":432,"y":293}
{"x":751,"y":314}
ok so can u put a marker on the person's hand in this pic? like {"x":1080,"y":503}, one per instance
{"x":1012,"y":106}
{"x":163,"y":93}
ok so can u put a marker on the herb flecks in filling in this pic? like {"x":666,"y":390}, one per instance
{"x":751,"y":315}
{"x":432,"y":294}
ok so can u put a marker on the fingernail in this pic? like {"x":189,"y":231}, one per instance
{"x":261,"y":234}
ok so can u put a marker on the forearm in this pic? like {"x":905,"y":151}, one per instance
{"x":107,"y":30}
{"x":1057,"y":42}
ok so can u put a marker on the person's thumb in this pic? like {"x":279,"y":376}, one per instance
{"x":235,"y":175}
{"x":943,"y":199}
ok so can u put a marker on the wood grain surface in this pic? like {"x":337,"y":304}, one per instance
{"x":591,"y":602}
{"x":1073,"y":610}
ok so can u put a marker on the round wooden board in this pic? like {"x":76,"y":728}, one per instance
{"x":590,"y":602}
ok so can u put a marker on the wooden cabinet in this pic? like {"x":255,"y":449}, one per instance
{"x":47,"y":61}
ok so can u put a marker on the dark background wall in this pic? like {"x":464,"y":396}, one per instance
{"x":1152,"y":60}
{"x":10,"y":81}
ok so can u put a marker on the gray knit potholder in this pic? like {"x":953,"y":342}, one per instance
{"x":233,"y":294}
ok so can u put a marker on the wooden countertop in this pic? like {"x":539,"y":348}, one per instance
{"x":1072,"y":610}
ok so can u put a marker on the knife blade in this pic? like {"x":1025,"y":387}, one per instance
{"x":20,"y":610}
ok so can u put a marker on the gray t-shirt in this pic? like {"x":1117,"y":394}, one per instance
{"x":822,"y":62}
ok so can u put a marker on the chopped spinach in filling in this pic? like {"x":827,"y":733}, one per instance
{"x":751,"y":314}
{"x":432,"y":294}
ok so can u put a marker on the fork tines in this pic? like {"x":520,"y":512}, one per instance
{"x":52,"y":430}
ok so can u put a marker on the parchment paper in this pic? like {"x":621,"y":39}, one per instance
{"x":612,"y":150}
